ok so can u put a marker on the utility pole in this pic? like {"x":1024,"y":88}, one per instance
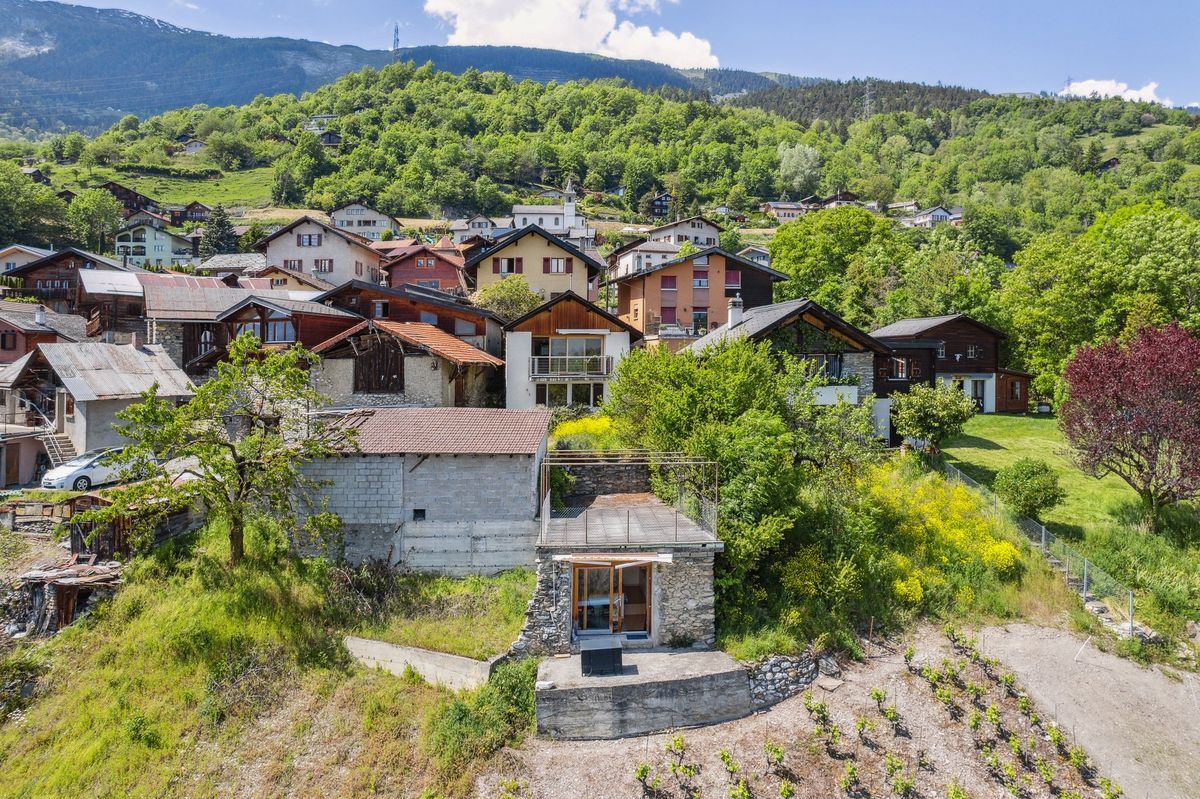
{"x":395,"y":42}
{"x":868,"y":101}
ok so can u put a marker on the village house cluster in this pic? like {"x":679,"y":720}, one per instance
{"x":450,"y":402}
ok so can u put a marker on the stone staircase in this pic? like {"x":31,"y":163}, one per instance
{"x":59,"y":447}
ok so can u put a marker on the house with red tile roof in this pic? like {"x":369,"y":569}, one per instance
{"x":427,"y":266}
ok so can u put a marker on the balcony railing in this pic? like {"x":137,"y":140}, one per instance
{"x":545,"y":367}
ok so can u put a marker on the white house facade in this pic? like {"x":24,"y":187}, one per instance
{"x":363,"y":220}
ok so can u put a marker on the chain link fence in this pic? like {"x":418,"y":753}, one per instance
{"x":1106,"y":596}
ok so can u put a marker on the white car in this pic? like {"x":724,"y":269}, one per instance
{"x":92,"y":468}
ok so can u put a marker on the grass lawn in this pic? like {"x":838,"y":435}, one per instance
{"x":1097,"y":517}
{"x":248,"y":187}
{"x":476,"y":617}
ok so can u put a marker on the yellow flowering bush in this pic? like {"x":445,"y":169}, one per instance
{"x":588,"y":432}
{"x":943,"y":542}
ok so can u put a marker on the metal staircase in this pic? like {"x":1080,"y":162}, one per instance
{"x":59,"y":448}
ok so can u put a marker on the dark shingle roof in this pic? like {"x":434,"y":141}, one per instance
{"x":923,"y":324}
{"x":757,"y":322}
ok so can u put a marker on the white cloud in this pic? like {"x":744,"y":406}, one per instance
{"x":585,"y":26}
{"x":185,"y":4}
{"x":1115,"y":88}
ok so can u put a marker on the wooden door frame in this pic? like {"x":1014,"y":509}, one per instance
{"x":615,"y":577}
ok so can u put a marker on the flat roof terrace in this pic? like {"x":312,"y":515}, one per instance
{"x":615,"y":521}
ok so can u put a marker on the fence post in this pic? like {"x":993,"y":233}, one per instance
{"x":1131,"y":615}
{"x":626,"y":525}
{"x":1085,"y":578}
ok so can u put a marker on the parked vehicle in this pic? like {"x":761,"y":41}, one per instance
{"x":92,"y":468}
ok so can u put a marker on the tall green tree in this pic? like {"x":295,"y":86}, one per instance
{"x":218,"y":238}
{"x":94,"y":216}
{"x":29,"y":212}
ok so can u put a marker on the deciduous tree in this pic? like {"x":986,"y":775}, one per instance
{"x":94,"y":216}
{"x":1133,"y":410}
{"x":248,"y":435}
{"x":509,"y":298}
{"x":931,"y":413}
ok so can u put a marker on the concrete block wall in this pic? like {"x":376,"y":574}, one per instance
{"x":476,"y":519}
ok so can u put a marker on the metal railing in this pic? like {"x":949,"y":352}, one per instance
{"x":570,"y":365}
{"x":1081,"y":574}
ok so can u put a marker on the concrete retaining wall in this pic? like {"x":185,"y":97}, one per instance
{"x":451,"y":671}
{"x":614,"y":709}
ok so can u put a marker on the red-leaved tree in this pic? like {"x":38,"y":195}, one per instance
{"x":1133,"y":410}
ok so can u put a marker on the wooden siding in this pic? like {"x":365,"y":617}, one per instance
{"x":568,"y":314}
{"x":1006,"y":402}
{"x":921,"y":370}
{"x":361,"y":301}
{"x":64,"y":268}
{"x":404,"y":270}
{"x":959,"y":335}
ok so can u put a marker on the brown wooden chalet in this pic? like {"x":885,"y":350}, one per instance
{"x":410,"y":303}
{"x":195,"y":325}
{"x":130,"y":199}
{"x":54,"y":280}
{"x":195,"y":211}
{"x":428,"y":266}
{"x":954,"y":349}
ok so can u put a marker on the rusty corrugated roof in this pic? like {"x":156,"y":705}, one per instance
{"x":448,"y":431}
{"x":419,"y":334}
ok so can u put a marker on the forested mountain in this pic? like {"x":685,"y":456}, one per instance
{"x":842,"y":102}
{"x":81,"y":67}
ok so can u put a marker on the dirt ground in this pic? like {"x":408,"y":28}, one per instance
{"x":1144,"y":724}
{"x":1140,"y":727}
{"x":934,"y":746}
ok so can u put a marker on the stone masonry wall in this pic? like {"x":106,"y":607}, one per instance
{"x":683,"y":591}
{"x":778,"y":677}
{"x":170,"y":336}
{"x":611,"y":478}
{"x":861,"y":364}
{"x":547,"y":628}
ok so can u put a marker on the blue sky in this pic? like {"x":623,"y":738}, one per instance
{"x":1144,"y":50}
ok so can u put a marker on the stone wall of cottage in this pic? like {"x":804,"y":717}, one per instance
{"x":683,"y":613}
{"x":611,"y":478}
{"x":547,"y":628}
{"x":861,"y":365}
{"x":683,"y":591}
{"x":170,"y":336}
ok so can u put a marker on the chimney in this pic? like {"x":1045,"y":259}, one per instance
{"x":735,"y":310}
{"x":137,"y":339}
{"x":39,"y":316}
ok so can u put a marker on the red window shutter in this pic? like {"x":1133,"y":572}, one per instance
{"x":320,"y":238}
{"x":298,"y":244}
{"x":520,"y":267}
{"x":495,"y":266}
{"x":570,"y":265}
{"x":545,"y":266}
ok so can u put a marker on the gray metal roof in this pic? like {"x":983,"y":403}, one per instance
{"x":110,"y":281}
{"x":23,"y":316}
{"x":191,"y":304}
{"x":912,"y":327}
{"x":95,"y":371}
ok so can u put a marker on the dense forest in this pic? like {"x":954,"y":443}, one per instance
{"x":842,"y":102}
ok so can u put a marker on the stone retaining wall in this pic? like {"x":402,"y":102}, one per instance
{"x":779,"y":677}
{"x":610,"y":478}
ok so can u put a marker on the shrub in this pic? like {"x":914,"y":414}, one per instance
{"x":931,"y":414}
{"x":1029,"y":487}
{"x":587,"y":432}
{"x":475,"y":724}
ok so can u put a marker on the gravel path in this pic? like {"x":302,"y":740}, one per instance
{"x":1142,"y":725}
